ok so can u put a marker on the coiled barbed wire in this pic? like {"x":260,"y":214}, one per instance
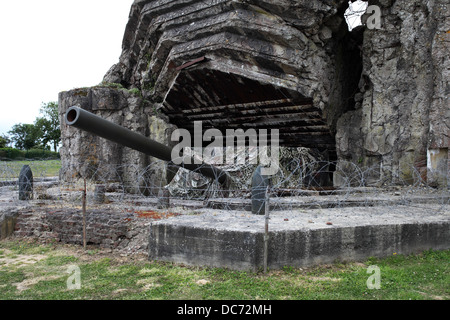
{"x":303,"y":181}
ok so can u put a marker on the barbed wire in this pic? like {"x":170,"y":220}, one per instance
{"x":301,"y":183}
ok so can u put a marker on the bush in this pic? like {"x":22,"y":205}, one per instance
{"x":11,"y":153}
{"x":41,"y":154}
{"x":36,"y":154}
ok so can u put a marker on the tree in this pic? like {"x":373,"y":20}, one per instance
{"x":48,"y":125}
{"x":4,"y":141}
{"x":25,"y":136}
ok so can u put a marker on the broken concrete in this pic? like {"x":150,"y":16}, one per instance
{"x":311,"y":228}
{"x":402,"y":107}
{"x":8,"y":223}
{"x":372,"y":97}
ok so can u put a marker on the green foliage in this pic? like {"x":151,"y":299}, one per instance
{"x":149,"y":83}
{"x":44,"y":131}
{"x":41,"y":154}
{"x":35,"y":154}
{"x":11,"y":154}
{"x":48,"y":125}
{"x":25,"y":136}
{"x":135,"y":91}
{"x":4,"y":141}
{"x":111,"y":85}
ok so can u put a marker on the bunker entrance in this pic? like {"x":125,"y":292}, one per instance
{"x":222,"y":101}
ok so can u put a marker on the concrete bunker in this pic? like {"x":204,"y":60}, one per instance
{"x":230,"y":65}
{"x":236,"y":65}
{"x":364,"y":98}
{"x":292,"y":65}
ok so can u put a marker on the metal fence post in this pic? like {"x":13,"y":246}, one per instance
{"x":266,"y":230}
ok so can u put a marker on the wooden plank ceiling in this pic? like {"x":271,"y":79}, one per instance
{"x":229,"y":101}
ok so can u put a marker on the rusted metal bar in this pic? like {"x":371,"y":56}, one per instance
{"x":191,"y":63}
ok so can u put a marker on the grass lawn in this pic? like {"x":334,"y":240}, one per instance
{"x":9,"y":170}
{"x":30,"y":270}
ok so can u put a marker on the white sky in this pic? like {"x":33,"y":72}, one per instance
{"x":49,"y":46}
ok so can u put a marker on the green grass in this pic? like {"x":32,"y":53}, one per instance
{"x":10,"y":170}
{"x":418,"y":277}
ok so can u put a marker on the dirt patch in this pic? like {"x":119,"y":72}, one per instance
{"x":155,"y":215}
{"x":148,"y":283}
{"x":27,"y":283}
{"x":431,"y":296}
{"x":20,"y":260}
{"x":325,"y":279}
{"x":202,"y":282}
{"x":94,"y":253}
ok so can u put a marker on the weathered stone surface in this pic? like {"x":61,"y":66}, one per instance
{"x":254,"y":52}
{"x":374,"y":97}
{"x":106,"y":229}
{"x":7,"y":223}
{"x":404,"y":87}
{"x":87,"y":156}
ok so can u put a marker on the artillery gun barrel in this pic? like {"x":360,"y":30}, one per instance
{"x":87,"y":121}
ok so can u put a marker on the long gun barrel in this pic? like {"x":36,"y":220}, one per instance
{"x":87,"y":121}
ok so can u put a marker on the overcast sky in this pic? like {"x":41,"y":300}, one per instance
{"x":49,"y":46}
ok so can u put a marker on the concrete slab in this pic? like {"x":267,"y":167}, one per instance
{"x":299,"y":238}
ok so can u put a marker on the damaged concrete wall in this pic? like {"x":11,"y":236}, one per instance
{"x":402,"y":107}
{"x":254,"y":52}
{"x":87,"y":156}
{"x":112,"y":230}
{"x":374,"y":97}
